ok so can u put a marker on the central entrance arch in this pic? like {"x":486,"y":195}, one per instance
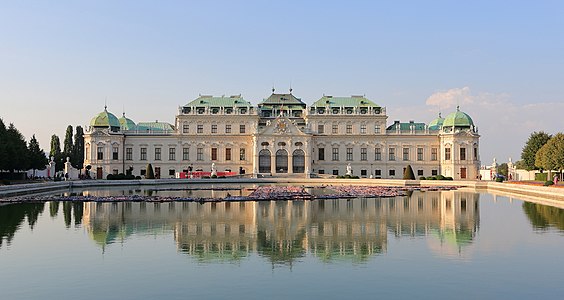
{"x":281,"y":161}
{"x":264,"y":161}
{"x":298,"y":161}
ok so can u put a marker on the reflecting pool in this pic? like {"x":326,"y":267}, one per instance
{"x":449,"y":244}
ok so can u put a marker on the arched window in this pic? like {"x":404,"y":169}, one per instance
{"x":264,"y":161}
{"x":298,"y":161}
{"x":281,"y":161}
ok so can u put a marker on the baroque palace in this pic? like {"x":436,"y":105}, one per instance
{"x":283,"y":136}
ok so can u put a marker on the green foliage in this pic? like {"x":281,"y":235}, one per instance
{"x":440,"y":177}
{"x":214,"y":176}
{"x":551,"y":155}
{"x":431,"y":178}
{"x":3,"y":145}
{"x":520,"y":164}
{"x":77,"y":157}
{"x":408,"y":173}
{"x":37,"y":158}
{"x":503,"y":169}
{"x":548,"y":183}
{"x":68,"y":144}
{"x":422,"y":178}
{"x":532,"y":146}
{"x":56,"y":153}
{"x":499,"y":179}
{"x":16,"y":150}
{"x":149,"y":174}
{"x":449,"y":178}
{"x":120,"y":176}
{"x":541,"y":176}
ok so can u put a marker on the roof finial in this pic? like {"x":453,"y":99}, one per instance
{"x":106,"y":103}
{"x":273,"y":89}
{"x":458,"y":108}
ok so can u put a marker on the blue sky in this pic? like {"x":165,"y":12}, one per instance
{"x":502,"y":61}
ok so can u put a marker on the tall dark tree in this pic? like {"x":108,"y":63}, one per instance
{"x":37,"y":158}
{"x":532,"y":146}
{"x":149,"y":174}
{"x":68,"y":144}
{"x":551,"y":155}
{"x":503,"y":169}
{"x":408,"y":173}
{"x":3,"y":145}
{"x":56,"y":153}
{"x":16,"y":150}
{"x":77,"y":159}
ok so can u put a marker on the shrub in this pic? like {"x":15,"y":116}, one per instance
{"x":149,"y":174}
{"x":221,"y":177}
{"x":449,"y":178}
{"x":214,"y":176}
{"x":408,"y":173}
{"x":440,"y":177}
{"x":5,"y":182}
{"x":205,"y":177}
{"x":137,"y":177}
{"x":431,"y":178}
{"x":541,"y":176}
{"x":499,"y":179}
{"x":110,"y":177}
{"x":548,"y":183}
{"x":422,"y":178}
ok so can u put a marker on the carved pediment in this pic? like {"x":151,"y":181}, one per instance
{"x":281,"y":126}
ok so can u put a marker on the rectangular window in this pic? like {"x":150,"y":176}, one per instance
{"x":378,"y":153}
{"x":200,"y":154}
{"x":349,"y":154}
{"x":335,"y":154}
{"x":172,"y":154}
{"x":128,"y":153}
{"x":475,"y":153}
{"x":434,"y":172}
{"x":143,"y":154}
{"x":242,"y":154}
{"x":419,"y":172}
{"x":185,"y":128}
{"x":349,"y":128}
{"x":157,"y":153}
{"x":392,"y":172}
{"x":363,"y":154}
{"x":200,"y":128}
{"x":419,"y":154}
{"x":363,"y":173}
{"x":185,"y":153}
{"x":321,"y":154}
{"x":462,"y":153}
{"x":100,"y":153}
{"x":434,"y":152}
{"x":228,"y":128}
{"x":321,"y":171}
{"x":213,"y":153}
{"x":405,"y":153}
{"x":214,"y":128}
{"x":447,"y":153}
{"x":377,"y":172}
{"x":392,"y":154}
{"x":335,"y":128}
{"x":115,"y":153}
{"x":227,"y":153}
{"x":335,"y":172}
{"x":377,"y":128}
{"x":242,"y":128}
{"x":171,"y":172}
{"x":320,"y":128}
{"x":362,"y":128}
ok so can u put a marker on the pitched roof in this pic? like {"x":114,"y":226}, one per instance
{"x":211,"y":101}
{"x":282,"y":99}
{"x":352,"y":101}
{"x":154,"y":126}
{"x":406,"y":126}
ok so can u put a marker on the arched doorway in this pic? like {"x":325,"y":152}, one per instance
{"x":264,"y":161}
{"x":298,"y":161}
{"x":281,"y":161}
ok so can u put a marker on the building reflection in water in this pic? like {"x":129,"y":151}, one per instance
{"x":284,"y":231}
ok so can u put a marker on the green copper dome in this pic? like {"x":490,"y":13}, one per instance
{"x":458,"y":119}
{"x":436,"y":123}
{"x":105,"y":119}
{"x":126,"y":123}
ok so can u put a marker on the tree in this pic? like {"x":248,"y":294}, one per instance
{"x":408,"y":173}
{"x":68,"y":145}
{"x":77,"y":159}
{"x":3,"y":145}
{"x":532,"y":146}
{"x":503,"y":170}
{"x":56,"y":153}
{"x":37,"y":158}
{"x":520,"y":165}
{"x":16,"y":150}
{"x":551,"y":155}
{"x":149,"y":174}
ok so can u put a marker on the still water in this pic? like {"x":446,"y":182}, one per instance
{"x":445,"y":245}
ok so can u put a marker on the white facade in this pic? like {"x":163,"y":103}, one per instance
{"x":284,"y":137}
